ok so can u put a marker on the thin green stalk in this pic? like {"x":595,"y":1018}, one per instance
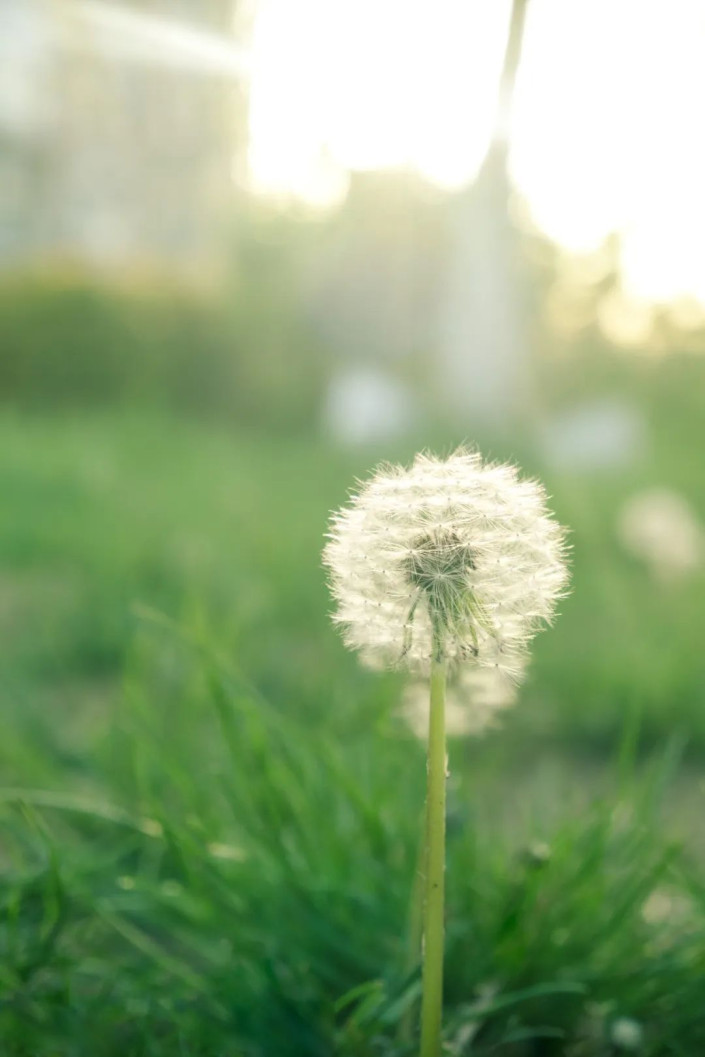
{"x":409,"y":1019}
{"x":432,"y":978}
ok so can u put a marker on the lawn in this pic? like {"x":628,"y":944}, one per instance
{"x":211,"y":812}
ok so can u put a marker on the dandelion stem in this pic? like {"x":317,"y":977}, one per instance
{"x":432,"y":978}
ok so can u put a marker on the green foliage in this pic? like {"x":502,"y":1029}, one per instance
{"x":210,"y":812}
{"x":249,"y":894}
{"x":103,"y":513}
{"x":241,"y":352}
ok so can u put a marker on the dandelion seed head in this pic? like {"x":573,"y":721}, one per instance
{"x":455,"y":551}
{"x":626,"y":1034}
{"x":658,"y":526}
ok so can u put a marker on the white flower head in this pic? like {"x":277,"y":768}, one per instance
{"x":660,"y":527}
{"x":453,"y":557}
{"x":626,"y":1034}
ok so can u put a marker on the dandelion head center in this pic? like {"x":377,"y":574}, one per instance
{"x":438,"y":563}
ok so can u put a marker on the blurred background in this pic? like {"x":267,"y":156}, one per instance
{"x":247,"y":250}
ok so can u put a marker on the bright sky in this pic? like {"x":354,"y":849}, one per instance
{"x":606,"y":134}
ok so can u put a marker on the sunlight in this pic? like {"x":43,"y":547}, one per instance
{"x":115,"y":31}
{"x":604,"y":134}
{"x":370,"y":85}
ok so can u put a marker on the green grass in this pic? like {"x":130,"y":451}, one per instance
{"x":105,"y":514}
{"x":210,"y":812}
{"x":240,"y":872}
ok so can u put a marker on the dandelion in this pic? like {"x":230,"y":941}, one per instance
{"x":449,"y":565}
{"x":452,"y":557}
{"x":666,"y":906}
{"x":626,"y":1034}
{"x":660,"y":527}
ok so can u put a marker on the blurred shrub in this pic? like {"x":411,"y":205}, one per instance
{"x":68,"y":339}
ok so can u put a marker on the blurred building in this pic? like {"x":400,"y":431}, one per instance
{"x":118,"y":129}
{"x":484,"y":313}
